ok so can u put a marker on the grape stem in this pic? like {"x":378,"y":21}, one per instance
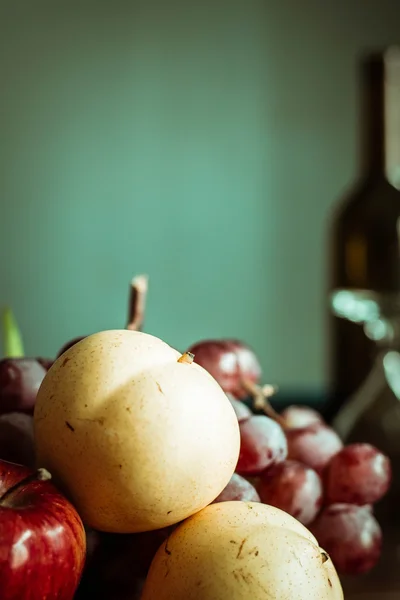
{"x":137,"y":302}
{"x":39,"y":475}
{"x":260,"y":396}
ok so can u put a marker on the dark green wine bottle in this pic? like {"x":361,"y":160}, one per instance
{"x":365,"y":253}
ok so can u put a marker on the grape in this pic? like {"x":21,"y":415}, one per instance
{"x":20,"y":379}
{"x":301,"y":416}
{"x":254,"y":480}
{"x":220,"y":360}
{"x":313,"y":445}
{"x":350,"y":535}
{"x":294,"y":488}
{"x":263,"y":444}
{"x":241,"y":409}
{"x":229,"y":362}
{"x":358,"y":474}
{"x":238,"y":489}
{"x":16,"y":439}
{"x":45,"y":362}
{"x":249,"y":366}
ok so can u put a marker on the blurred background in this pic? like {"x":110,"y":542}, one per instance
{"x":202,"y":143}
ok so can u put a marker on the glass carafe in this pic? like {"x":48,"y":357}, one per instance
{"x":372,"y":415}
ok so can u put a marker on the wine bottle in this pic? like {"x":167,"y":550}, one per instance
{"x":365,"y":254}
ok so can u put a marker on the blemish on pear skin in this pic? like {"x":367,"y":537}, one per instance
{"x":241,"y":547}
{"x":69,"y":426}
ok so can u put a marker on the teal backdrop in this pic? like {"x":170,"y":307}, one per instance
{"x":203,"y":143}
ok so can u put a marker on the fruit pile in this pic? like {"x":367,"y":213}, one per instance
{"x":129,"y":470}
{"x":296,"y":462}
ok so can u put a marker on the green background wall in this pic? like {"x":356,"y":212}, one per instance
{"x":200,"y":142}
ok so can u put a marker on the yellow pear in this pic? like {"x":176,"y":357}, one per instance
{"x":241,"y":551}
{"x":138,"y":436}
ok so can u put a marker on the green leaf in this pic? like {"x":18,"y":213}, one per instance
{"x":12,"y":339}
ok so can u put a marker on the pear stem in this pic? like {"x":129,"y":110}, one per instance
{"x":324,"y":556}
{"x":137,"y":302}
{"x":39,"y":475}
{"x":187,"y":358}
{"x":261,"y":401}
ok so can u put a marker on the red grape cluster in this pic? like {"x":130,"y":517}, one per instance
{"x":302,"y":467}
{"x":296,"y":462}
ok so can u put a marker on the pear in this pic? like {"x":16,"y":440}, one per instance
{"x":136,"y":434}
{"x":241,"y":550}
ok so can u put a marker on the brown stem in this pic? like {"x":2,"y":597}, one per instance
{"x":187,"y":358}
{"x":137,"y":302}
{"x":39,"y":475}
{"x":260,"y":397}
{"x":324,"y":556}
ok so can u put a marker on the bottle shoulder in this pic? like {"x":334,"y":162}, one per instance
{"x":373,"y":201}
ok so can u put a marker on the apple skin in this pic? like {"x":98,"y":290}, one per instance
{"x":42,"y":539}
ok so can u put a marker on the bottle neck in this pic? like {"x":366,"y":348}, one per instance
{"x":381,"y":119}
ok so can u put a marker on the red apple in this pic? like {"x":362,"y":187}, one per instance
{"x":230,"y":362}
{"x":42,"y":539}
